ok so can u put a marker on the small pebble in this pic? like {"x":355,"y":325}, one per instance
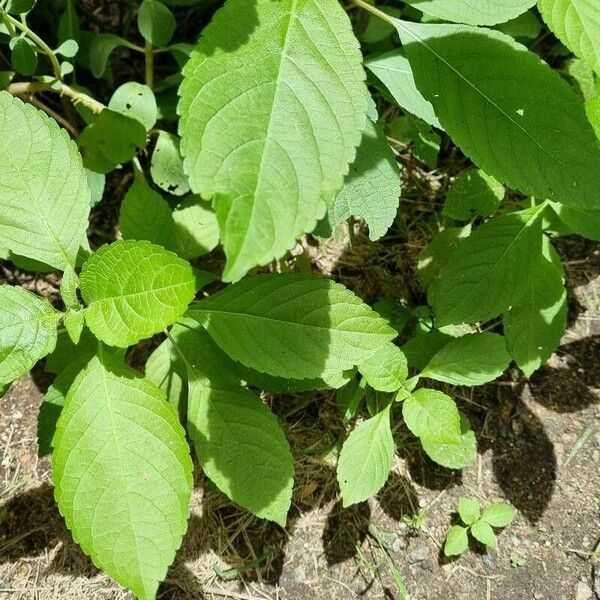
{"x":417,"y":554}
{"x":583,"y":591}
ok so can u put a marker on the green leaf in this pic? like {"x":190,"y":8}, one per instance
{"x":112,"y":139}
{"x":270,"y":175}
{"x":122,"y":474}
{"x":473,"y":193}
{"x":134,"y":290}
{"x":433,"y":415}
{"x":102,"y":46}
{"x":397,"y":314}
{"x":145,"y":215}
{"x":19,"y":7}
{"x":74,"y":321}
{"x":166,"y":166}
{"x":482,"y":12}
{"x":423,"y":347}
{"x":576,"y":23}
{"x":489,"y":270}
{"x":395,"y":73}
{"x":499,"y":514}
{"x":43,"y":188}
{"x":377,"y":29}
{"x":534,"y":325}
{"x":469,"y":510}
{"x":136,"y":101}
{"x":592,"y":109}
{"x":68,"y":288}
{"x":526,"y":27}
{"x":534,"y":137}
{"x":386,"y":370}
{"x":471,"y":360}
{"x":366,"y":459}
{"x":293,"y":325}
{"x":97,"y":183}
{"x":27,"y":331}
{"x":483,"y":533}
{"x":68,"y":49}
{"x":68,"y":24}
{"x":457,"y":541}
{"x":23,"y":56}
{"x":241,"y":447}
{"x":581,"y":221}
{"x":456,"y":454}
{"x":156,"y":23}
{"x":423,"y":141}
{"x":372,"y":188}
{"x":196,"y":228}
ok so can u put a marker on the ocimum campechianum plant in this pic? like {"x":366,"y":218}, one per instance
{"x":277,"y":137}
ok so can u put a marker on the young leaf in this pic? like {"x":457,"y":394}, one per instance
{"x":136,"y":101}
{"x":473,"y":193}
{"x":145,"y":215}
{"x":166,"y":166}
{"x":112,"y":139}
{"x":134,"y":290}
{"x":366,"y":459}
{"x":576,"y":23}
{"x":499,"y":514}
{"x":483,"y":533}
{"x":395,"y":73}
{"x":535,"y":139}
{"x":270,"y":175}
{"x":27,"y":331}
{"x":44,"y":193}
{"x":489,"y":270}
{"x":481,"y":12}
{"x":372,"y":188}
{"x":292,"y":325}
{"x":457,"y":541}
{"x":122,"y":474}
{"x":241,"y":447}
{"x":156,"y":23}
{"x":386,"y":370}
{"x":471,"y":360}
{"x":469,"y":510}
{"x":433,"y":415}
{"x":534,"y":325}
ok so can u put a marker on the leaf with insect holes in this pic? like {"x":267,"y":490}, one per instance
{"x":471,"y":194}
{"x":292,"y":325}
{"x":386,"y":370}
{"x":296,"y":68}
{"x":534,"y":325}
{"x":372,"y":188}
{"x":469,"y":510}
{"x":27,"y":331}
{"x":478,"y":12}
{"x":366,"y":459}
{"x":489,"y":271}
{"x":241,"y":447}
{"x":576,"y":23}
{"x":471,"y":360}
{"x":136,"y":101}
{"x":457,"y":541}
{"x":134,"y":290}
{"x":122,"y":474}
{"x":393,"y":70}
{"x":509,"y":112}
{"x":166,"y":166}
{"x":44,"y":193}
{"x":499,"y":514}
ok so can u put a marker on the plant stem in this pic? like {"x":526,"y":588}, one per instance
{"x":149,"y":53}
{"x":58,"y":118}
{"x":31,"y":87}
{"x":374,"y":11}
{"x":38,"y":41}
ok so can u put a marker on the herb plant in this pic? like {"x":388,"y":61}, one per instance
{"x":275,"y":136}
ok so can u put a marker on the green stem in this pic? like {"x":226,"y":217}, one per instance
{"x":38,"y":41}
{"x":149,"y":53}
{"x":31,"y":87}
{"x":374,"y":11}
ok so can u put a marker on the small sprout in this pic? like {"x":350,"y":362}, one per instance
{"x":517,"y":561}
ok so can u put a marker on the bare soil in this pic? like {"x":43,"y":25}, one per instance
{"x":539,"y":448}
